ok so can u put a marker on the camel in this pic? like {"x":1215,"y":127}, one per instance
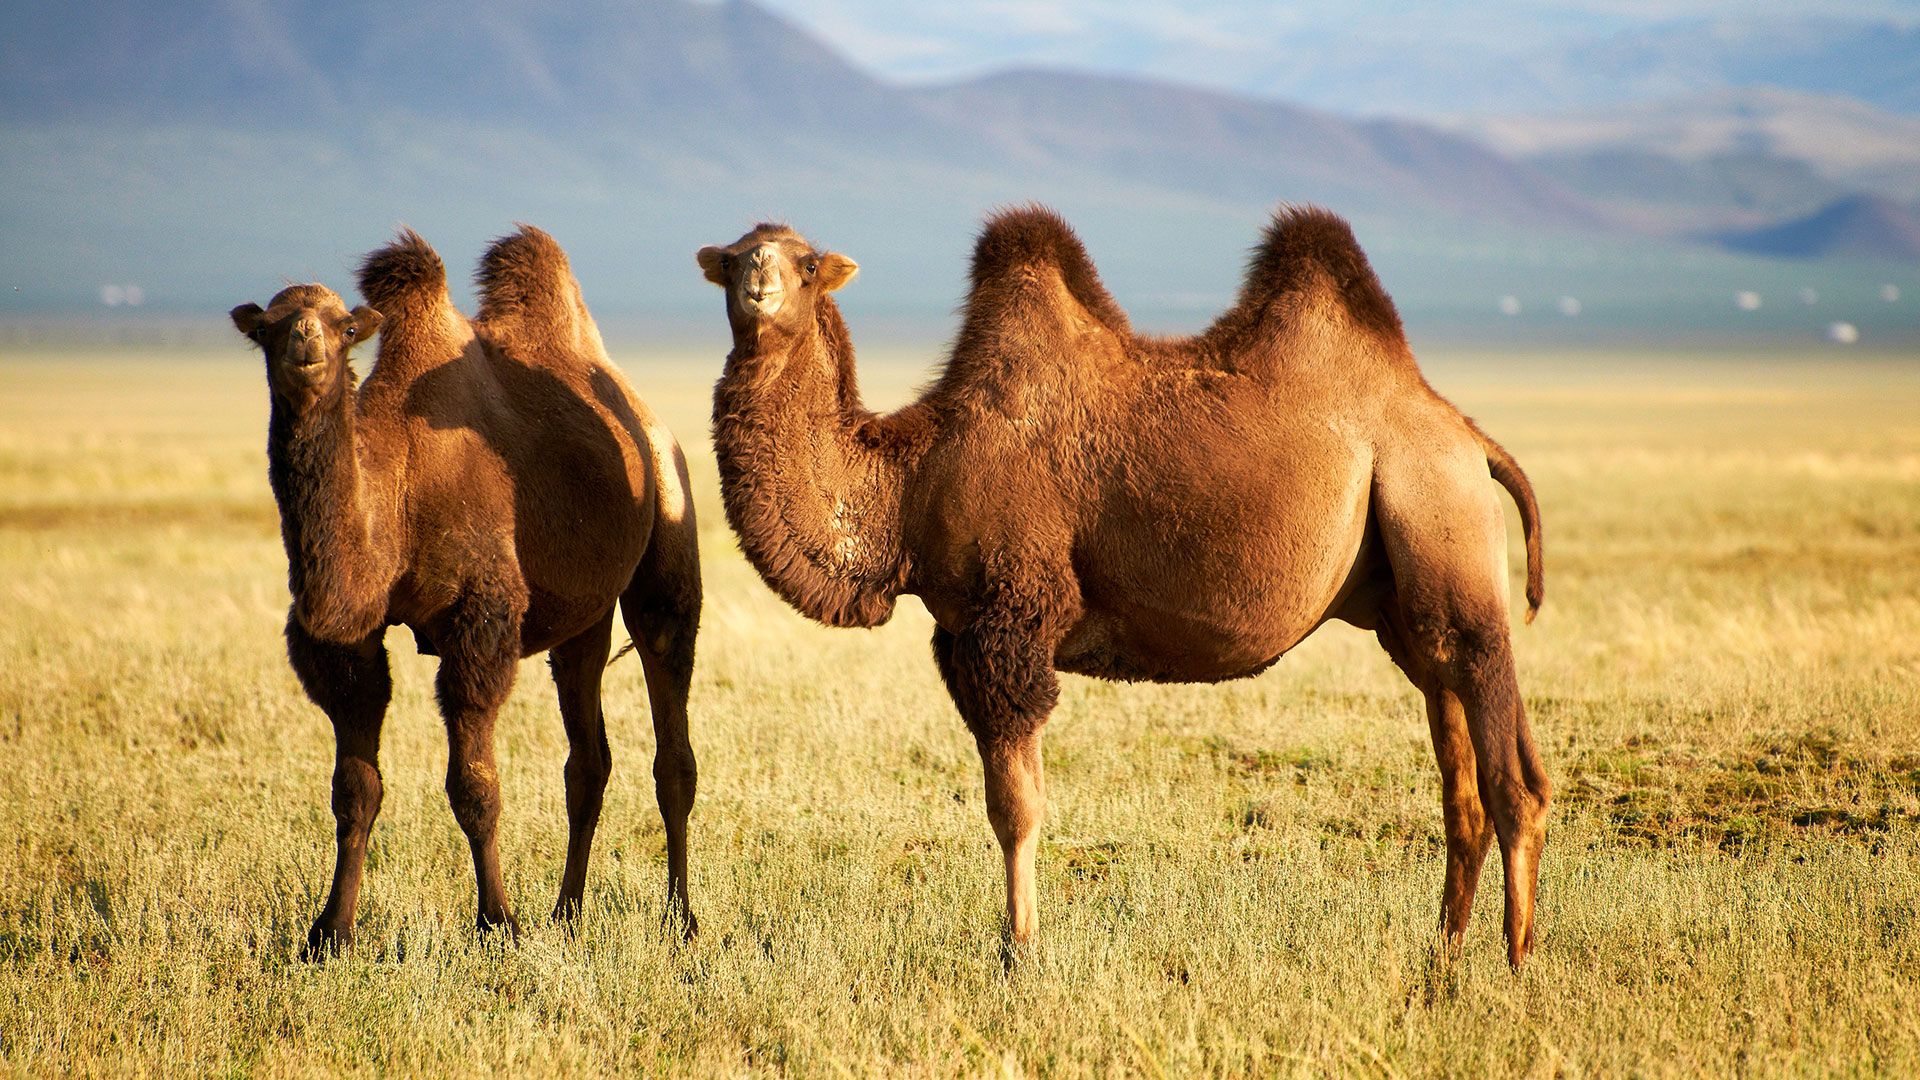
{"x":1069,"y":495}
{"x":495,"y":486}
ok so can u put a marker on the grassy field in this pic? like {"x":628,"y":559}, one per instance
{"x":1237,"y":879}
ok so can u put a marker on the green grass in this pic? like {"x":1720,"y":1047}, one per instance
{"x":1235,"y":879}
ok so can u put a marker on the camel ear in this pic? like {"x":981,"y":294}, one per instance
{"x":365,"y":322}
{"x":835,"y":270}
{"x":247,"y":318}
{"x":710,"y":260}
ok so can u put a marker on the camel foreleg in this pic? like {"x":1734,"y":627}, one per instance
{"x":352,"y":686}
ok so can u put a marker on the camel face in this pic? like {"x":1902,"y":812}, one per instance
{"x":306,"y":332}
{"x":773,"y":278}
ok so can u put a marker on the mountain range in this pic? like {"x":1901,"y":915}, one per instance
{"x":1735,"y":157}
{"x":209,"y":151}
{"x":1858,"y":226}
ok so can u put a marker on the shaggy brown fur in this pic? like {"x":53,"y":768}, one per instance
{"x":1070,"y":496}
{"x":495,"y":486}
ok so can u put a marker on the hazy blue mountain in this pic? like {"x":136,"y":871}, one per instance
{"x":1187,"y":139}
{"x":1859,"y":226}
{"x":194,"y":149}
{"x":1727,"y":159}
{"x":1407,"y":57}
{"x":212,"y":152}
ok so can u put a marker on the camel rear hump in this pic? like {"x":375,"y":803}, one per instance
{"x":525,"y":279}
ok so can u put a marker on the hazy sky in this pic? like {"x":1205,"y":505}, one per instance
{"x":1264,"y":48}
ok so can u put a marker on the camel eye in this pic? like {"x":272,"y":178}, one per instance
{"x":810,"y":266}
{"x":352,"y":330}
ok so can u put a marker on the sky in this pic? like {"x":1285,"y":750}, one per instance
{"x":1311,"y":51}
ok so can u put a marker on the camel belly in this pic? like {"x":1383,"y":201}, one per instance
{"x":1224,"y":629}
{"x":1218,"y":575}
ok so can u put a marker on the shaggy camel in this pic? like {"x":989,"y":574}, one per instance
{"x":1071,"y":496}
{"x":495,"y":486}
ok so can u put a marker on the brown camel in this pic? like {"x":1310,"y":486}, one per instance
{"x":495,"y":486}
{"x":1071,"y":496}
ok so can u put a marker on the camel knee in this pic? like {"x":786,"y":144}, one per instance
{"x":676,"y":777}
{"x":1518,"y":809}
{"x":1015,"y":786}
{"x":357,"y":792}
{"x":587,"y":774}
{"x":589,"y":767}
{"x":344,"y":680}
{"x":665,"y":629}
{"x":1466,"y":822}
{"x":473,"y":791}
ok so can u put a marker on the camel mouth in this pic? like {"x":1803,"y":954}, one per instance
{"x":766,"y":303}
{"x":306,"y":362}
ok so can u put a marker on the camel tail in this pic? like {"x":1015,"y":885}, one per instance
{"x":1023,"y":239}
{"x":1303,"y":243}
{"x":405,"y":276}
{"x":524,"y":276}
{"x":1510,"y":476}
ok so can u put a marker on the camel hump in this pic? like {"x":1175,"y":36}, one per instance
{"x":1303,"y":242}
{"x":405,"y":275}
{"x":1019,"y":242}
{"x":525,"y":276}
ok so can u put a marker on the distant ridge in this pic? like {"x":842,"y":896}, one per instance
{"x":1859,"y":226}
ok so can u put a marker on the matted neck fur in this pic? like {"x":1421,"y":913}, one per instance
{"x":1069,"y":495}
{"x":810,"y":479}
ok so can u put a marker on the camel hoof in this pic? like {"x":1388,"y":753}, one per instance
{"x":1518,"y":951}
{"x":1017,"y":954}
{"x":501,"y":925}
{"x":679,"y":920}
{"x":324,"y":943}
{"x":566,"y":914}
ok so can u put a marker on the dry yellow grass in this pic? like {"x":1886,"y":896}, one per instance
{"x":1244,"y":878}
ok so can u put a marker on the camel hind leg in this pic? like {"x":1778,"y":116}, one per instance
{"x":1468,"y":832}
{"x":661,"y":608}
{"x":1445,"y":538}
{"x":577,"y":665}
{"x":480,"y":654}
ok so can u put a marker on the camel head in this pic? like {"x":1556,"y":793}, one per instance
{"x":774,"y":279}
{"x":305,"y":332}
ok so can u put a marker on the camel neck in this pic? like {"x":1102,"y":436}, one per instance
{"x":334,"y":569}
{"x":810,"y":486}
